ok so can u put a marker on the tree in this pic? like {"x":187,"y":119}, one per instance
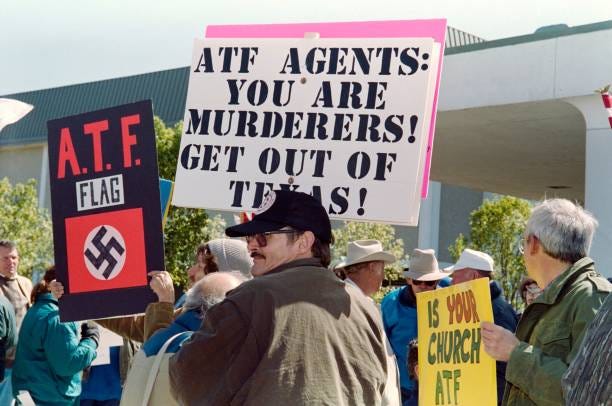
{"x":497,"y":228}
{"x":352,"y":230}
{"x":185,"y":228}
{"x":22,"y":221}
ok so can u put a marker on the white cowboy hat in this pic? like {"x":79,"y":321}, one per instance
{"x":365,"y":251}
{"x":473,"y":259}
{"x":424,"y":266}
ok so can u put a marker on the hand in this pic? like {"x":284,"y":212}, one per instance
{"x":57,"y":289}
{"x":498,"y":342}
{"x":90,"y":330}
{"x":161,"y":284}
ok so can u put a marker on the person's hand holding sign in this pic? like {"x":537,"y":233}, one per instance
{"x":498,"y":342}
{"x":161,"y":284}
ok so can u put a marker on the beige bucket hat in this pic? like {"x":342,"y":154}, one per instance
{"x":365,"y":251}
{"x":424,"y":266}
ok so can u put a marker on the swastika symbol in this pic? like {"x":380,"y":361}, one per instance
{"x":104,"y":245}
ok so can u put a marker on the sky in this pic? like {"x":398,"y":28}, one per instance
{"x":47,"y":44}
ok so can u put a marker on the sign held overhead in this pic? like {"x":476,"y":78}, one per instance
{"x":345,"y":120}
{"x":106,"y":210}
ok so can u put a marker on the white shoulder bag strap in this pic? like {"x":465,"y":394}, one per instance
{"x":155,"y":367}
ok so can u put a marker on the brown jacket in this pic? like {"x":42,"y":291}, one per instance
{"x":17,"y":290}
{"x":297,"y":335}
{"x":139,"y":328}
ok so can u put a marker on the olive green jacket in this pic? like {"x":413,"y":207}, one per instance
{"x":550,"y":333}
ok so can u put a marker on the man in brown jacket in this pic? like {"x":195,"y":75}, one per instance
{"x":17,"y":290}
{"x":295,"y":334}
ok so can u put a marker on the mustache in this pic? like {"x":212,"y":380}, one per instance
{"x":256,"y":254}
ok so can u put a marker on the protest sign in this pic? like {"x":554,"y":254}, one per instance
{"x":345,"y":120}
{"x":454,"y":369}
{"x":106,"y":210}
{"x":107,"y":340}
{"x":429,"y":28}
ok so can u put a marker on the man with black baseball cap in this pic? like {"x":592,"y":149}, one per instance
{"x":293,"y":335}
{"x":293,"y":214}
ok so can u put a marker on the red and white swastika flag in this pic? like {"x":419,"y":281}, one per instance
{"x":607,"y":101}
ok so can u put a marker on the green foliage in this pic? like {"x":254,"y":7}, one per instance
{"x":24,"y":223}
{"x":496,"y":228}
{"x":168,"y":141}
{"x":384,"y":233}
{"x":185,"y":228}
{"x":382,"y":292}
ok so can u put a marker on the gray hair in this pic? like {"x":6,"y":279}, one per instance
{"x":211,"y":289}
{"x":8,"y":244}
{"x":564,"y":229}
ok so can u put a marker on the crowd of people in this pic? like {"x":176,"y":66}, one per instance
{"x":267,"y":322}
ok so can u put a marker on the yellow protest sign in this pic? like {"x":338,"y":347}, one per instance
{"x":454,"y":369}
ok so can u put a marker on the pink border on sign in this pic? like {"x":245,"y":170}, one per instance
{"x":435,"y":29}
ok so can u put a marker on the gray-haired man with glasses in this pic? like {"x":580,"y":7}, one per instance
{"x":293,"y":335}
{"x":556,"y":247}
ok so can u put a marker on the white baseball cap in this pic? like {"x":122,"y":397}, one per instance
{"x":473,"y":259}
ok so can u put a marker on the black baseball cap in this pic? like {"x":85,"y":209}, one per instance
{"x":282,"y":208}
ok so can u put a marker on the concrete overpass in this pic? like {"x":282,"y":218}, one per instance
{"x":519,"y":116}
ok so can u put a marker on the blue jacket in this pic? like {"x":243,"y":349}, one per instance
{"x":104,"y":381}
{"x":50,"y":355}
{"x":504,"y":316}
{"x":399,"y":316}
{"x":188,"y":321}
{"x":503,"y":313}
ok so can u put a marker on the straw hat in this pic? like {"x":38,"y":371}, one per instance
{"x":424,"y":266}
{"x":365,"y":251}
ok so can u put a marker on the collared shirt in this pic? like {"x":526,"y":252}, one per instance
{"x":352,"y":283}
{"x":294,"y":264}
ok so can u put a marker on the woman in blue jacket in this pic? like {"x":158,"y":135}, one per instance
{"x":51,"y":355}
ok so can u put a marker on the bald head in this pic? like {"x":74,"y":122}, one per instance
{"x":211,"y":289}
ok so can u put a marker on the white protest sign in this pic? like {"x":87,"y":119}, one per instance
{"x":108,"y":339}
{"x":345,"y":120}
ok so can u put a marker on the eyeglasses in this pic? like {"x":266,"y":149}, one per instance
{"x":262,"y":238}
{"x":426,"y":283}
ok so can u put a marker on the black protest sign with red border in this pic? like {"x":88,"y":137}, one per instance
{"x":106,"y":210}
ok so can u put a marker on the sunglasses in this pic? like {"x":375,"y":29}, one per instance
{"x":262,"y":238}
{"x":426,"y":283}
